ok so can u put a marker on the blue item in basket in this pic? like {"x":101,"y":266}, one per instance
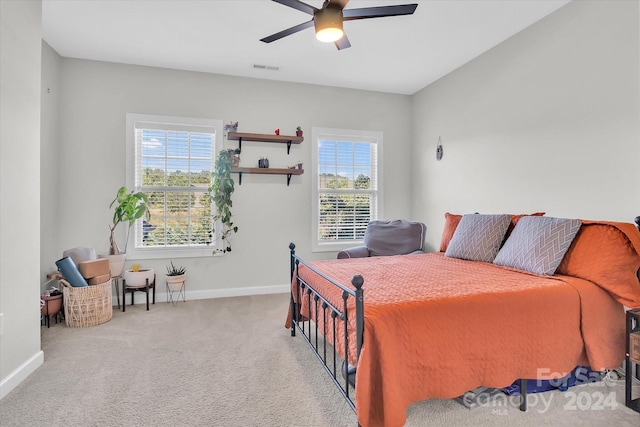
{"x":70,"y":272}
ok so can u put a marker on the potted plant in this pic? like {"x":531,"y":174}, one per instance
{"x":129,"y":206}
{"x":175,"y":277}
{"x":220,"y":191}
{"x":298,"y":131}
{"x":136,"y":276}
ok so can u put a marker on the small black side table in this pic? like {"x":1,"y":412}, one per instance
{"x":632,"y":359}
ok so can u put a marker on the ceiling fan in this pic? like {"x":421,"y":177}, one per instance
{"x":328,"y":20}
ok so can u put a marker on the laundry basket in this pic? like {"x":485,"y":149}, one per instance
{"x":88,"y":305}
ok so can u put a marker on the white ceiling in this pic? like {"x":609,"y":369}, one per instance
{"x":395,"y":54}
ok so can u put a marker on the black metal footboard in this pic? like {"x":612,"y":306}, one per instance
{"x":321,"y":308}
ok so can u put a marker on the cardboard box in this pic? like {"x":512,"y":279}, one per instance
{"x":96,"y":267}
{"x":634,"y":347}
{"x":98,"y":280}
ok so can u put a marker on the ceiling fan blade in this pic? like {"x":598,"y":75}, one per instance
{"x":379,"y":11}
{"x":343,"y":43}
{"x":296,"y":4}
{"x":287,"y":32}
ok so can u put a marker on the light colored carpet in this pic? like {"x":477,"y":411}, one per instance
{"x":230,"y":362}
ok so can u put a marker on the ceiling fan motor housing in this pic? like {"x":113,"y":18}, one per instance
{"x":328,"y":24}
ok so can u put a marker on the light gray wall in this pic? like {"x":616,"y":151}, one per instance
{"x":49,"y":162}
{"x":547,"y":121}
{"x":94,"y":99}
{"x":20,"y":58}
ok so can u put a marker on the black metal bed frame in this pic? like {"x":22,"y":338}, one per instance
{"x":302,"y":290}
{"x":298,"y":322}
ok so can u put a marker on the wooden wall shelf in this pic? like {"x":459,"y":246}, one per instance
{"x":267,"y":171}
{"x":263,"y":137}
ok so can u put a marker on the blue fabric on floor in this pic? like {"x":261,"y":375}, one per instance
{"x":580,"y":375}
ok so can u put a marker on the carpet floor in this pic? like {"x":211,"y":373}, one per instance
{"x":229,"y":362}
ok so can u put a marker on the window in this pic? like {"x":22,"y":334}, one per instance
{"x":346,"y":177}
{"x":171,"y":159}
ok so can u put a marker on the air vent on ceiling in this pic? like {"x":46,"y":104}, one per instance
{"x":266,"y":67}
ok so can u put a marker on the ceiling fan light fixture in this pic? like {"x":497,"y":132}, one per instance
{"x":328,"y":24}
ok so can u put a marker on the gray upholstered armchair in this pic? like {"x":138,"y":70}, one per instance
{"x":383,"y":238}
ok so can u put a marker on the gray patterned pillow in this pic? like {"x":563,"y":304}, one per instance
{"x":538,"y":244}
{"x":478,"y":237}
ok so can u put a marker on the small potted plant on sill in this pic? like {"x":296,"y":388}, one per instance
{"x":298,"y":131}
{"x":175,"y":277}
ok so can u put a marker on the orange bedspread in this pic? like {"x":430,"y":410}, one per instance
{"x":437,"y":327}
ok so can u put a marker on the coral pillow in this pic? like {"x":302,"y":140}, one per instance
{"x":450,"y":225}
{"x":604,"y":253}
{"x":516,"y":218}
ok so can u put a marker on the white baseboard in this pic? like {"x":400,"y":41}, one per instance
{"x":140,"y":297}
{"x":12,"y":380}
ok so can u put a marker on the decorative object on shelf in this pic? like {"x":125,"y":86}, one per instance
{"x":263,"y":162}
{"x":298,"y":131}
{"x":231,"y":127}
{"x":299,"y":165}
{"x":439,"y":151}
{"x":277,"y":131}
{"x":220,"y":192}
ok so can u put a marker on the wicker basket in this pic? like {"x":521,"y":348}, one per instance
{"x":87,"y":306}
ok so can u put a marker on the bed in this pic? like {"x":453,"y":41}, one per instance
{"x":395,"y":330}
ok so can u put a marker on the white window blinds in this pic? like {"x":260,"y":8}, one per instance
{"x":346,"y":184}
{"x":172,"y":165}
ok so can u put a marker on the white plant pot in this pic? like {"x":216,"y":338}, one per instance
{"x":116,"y":264}
{"x":175,"y":282}
{"x":138,"y":278}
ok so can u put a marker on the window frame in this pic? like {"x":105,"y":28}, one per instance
{"x":377,"y":211}
{"x":132,"y":119}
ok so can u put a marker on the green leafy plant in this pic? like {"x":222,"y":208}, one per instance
{"x":220,"y":191}
{"x":175,"y":271}
{"x":129,"y":206}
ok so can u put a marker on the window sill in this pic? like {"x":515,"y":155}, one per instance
{"x":335,"y":246}
{"x":161,"y":253}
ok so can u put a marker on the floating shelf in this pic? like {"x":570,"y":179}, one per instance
{"x":261,"y":137}
{"x":267,"y":171}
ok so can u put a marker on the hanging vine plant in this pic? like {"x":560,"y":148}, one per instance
{"x":220,"y":191}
